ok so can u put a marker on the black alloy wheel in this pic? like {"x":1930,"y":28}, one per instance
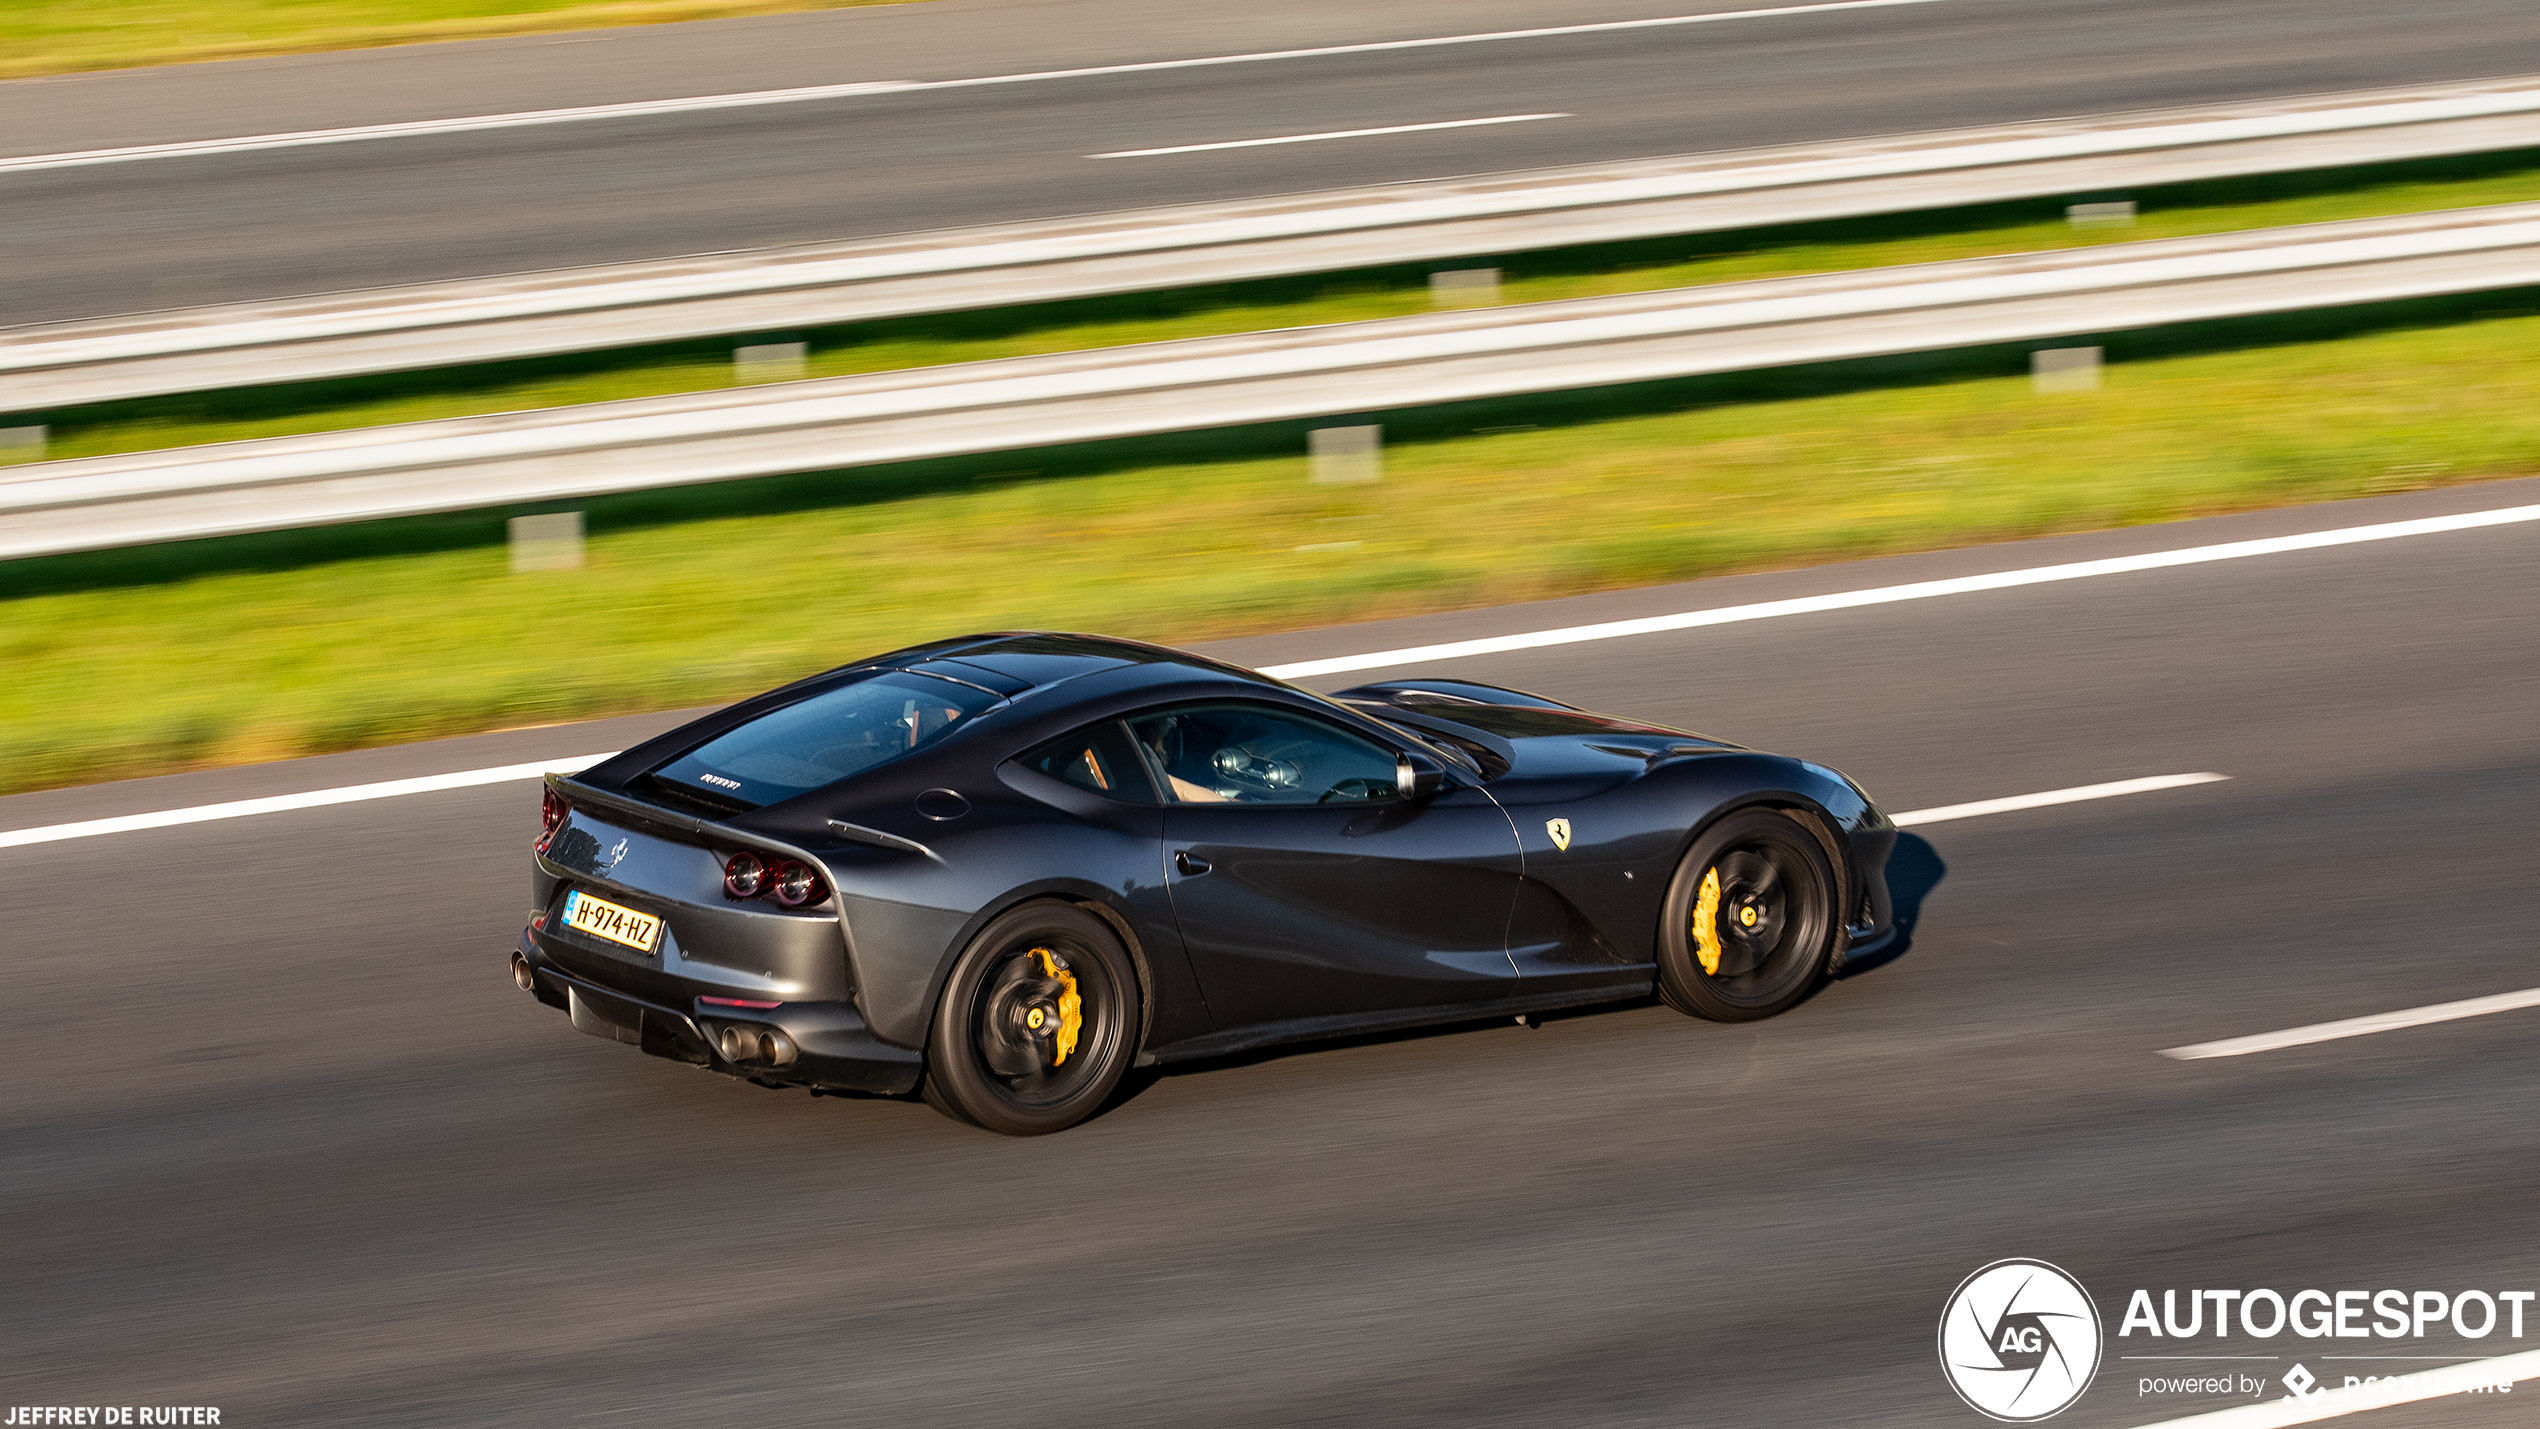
{"x":1750,"y":920}
{"x":1037,"y":1023}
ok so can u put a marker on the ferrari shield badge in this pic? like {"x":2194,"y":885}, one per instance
{"x":1560,"y":831}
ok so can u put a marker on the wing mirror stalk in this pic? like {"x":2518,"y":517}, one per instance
{"x":1417,"y":777}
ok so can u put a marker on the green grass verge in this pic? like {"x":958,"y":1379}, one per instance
{"x":257,"y":647}
{"x":1065,"y":327}
{"x":61,"y":36}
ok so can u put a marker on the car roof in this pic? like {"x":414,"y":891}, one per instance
{"x":1103,"y":677}
{"x":1013,"y":662}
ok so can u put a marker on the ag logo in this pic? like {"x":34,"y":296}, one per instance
{"x":2019,"y":1341}
{"x":1560,"y":831}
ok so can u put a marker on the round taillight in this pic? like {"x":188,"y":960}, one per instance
{"x":551,"y":816}
{"x":744,"y":875}
{"x":797,"y":885}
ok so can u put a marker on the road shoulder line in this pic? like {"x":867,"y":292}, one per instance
{"x":283,"y":803}
{"x":1917,"y":590}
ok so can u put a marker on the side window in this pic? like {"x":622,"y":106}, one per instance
{"x":1254,"y":754}
{"x":1098,"y":759}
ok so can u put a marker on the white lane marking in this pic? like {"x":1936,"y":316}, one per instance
{"x":2075,"y":795}
{"x":2358,"y":1026}
{"x":752,"y":99}
{"x":1331,"y":134}
{"x":314,"y":799}
{"x":2329,"y":1404}
{"x":1918,"y":590}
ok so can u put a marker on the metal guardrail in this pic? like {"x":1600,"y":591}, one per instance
{"x":1256,"y":377}
{"x":489,"y":319}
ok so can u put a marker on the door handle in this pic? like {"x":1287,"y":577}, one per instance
{"x":1191,"y":867}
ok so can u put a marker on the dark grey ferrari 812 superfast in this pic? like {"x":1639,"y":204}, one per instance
{"x":1002,"y":870}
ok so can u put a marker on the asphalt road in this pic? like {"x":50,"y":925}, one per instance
{"x":282,"y":1138}
{"x":91,"y":241}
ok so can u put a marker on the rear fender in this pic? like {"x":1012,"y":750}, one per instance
{"x":1168,"y":994}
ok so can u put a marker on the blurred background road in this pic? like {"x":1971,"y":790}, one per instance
{"x":282,"y":1137}
{"x":84,"y":242}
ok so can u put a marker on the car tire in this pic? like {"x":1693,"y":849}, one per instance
{"x":998,"y":1053}
{"x":1763,"y":884}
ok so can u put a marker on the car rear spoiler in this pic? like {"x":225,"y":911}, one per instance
{"x":577,"y":793}
{"x":708,"y":831}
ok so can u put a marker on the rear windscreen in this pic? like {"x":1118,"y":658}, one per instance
{"x":833,"y":735}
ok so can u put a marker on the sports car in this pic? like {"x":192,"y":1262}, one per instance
{"x":1002,"y":870}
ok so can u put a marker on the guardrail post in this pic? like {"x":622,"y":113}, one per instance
{"x":1464,"y":288}
{"x":2064,"y":369}
{"x":771,"y":362}
{"x":2100,"y":215}
{"x":1346,"y":454}
{"x":552,"y":542}
{"x":19,"y":444}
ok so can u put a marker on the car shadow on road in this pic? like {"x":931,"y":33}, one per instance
{"x":1139,"y":1079}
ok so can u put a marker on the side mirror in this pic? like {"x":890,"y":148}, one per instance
{"x":1416,"y":776}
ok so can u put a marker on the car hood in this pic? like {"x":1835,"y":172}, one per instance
{"x":1528,"y":735}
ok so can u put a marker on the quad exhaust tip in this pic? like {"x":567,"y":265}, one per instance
{"x":523,"y":974}
{"x":746,"y":1045}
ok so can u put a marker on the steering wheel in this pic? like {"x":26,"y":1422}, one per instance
{"x":1357,"y":789}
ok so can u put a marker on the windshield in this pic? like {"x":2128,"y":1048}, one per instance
{"x":836,"y":734}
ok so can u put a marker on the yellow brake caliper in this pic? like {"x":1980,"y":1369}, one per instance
{"x":1706,"y":922}
{"x":1071,"y":1008}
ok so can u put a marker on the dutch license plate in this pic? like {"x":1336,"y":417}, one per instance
{"x":603,"y":919}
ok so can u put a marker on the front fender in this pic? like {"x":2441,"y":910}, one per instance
{"x":1626,"y":839}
